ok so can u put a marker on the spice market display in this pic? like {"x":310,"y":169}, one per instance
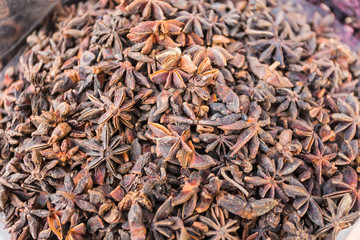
{"x":155,"y":119}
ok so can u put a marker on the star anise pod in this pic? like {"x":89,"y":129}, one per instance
{"x":208,"y":193}
{"x":296,"y":230}
{"x":216,"y":26}
{"x":306,"y":130}
{"x":321,"y":160}
{"x":65,"y":154}
{"x":337,"y":218}
{"x":131,"y":76}
{"x":55,"y":120}
{"x":41,"y":174}
{"x":117,"y":110}
{"x":319,"y":111}
{"x":171,"y":76}
{"x":54,"y":222}
{"x":291,"y":100}
{"x":269,"y":74}
{"x":218,"y":142}
{"x":191,"y":119}
{"x":88,"y":76}
{"x":288,"y":147}
{"x":29,"y":215}
{"x":73,"y":196}
{"x":195,"y":22}
{"x":218,"y":55}
{"x":136,"y":225}
{"x":163,"y":224}
{"x":348,"y":117}
{"x":76,"y":232}
{"x":276,"y":46}
{"x":349,"y":152}
{"x":271,"y":175}
{"x":197,"y":89}
{"x":322,"y":25}
{"x":34,"y":94}
{"x":170,"y":140}
{"x":221,"y":228}
{"x":151,"y":8}
{"x":237,"y":205}
{"x":262,"y":230}
{"x":347,"y":182}
{"x":306,"y":200}
{"x":259,"y":92}
{"x":107,"y":35}
{"x":188,"y":194}
{"x":152,"y":32}
{"x":108,"y":150}
{"x":253,"y":133}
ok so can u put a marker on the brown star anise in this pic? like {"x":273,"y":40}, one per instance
{"x":271,"y":175}
{"x":65,"y":154}
{"x":108,"y":150}
{"x":131,"y":76}
{"x":29,"y":216}
{"x":306,"y":200}
{"x":337,"y":218}
{"x":73,"y":196}
{"x":296,"y":230}
{"x":221,"y":228}
{"x":41,"y":174}
{"x":117,"y":110}
{"x":348,"y":117}
{"x":347,"y":182}
{"x":151,"y":8}
{"x":275,"y":46}
{"x":152,"y":32}
{"x":35,"y":93}
{"x":107,"y":35}
{"x":253,"y":133}
{"x":321,"y":161}
{"x":195,"y":22}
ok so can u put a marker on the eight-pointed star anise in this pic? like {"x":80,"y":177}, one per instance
{"x":29,"y":215}
{"x":152,"y":32}
{"x":151,"y":8}
{"x":337,"y":218}
{"x":35,"y":93}
{"x":73,"y":196}
{"x":220,"y":227}
{"x":253,"y":133}
{"x":276,"y":46}
{"x":109,"y":150}
{"x":41,"y":174}
{"x":321,"y":160}
{"x":271,"y":175}
{"x":117,"y":110}
{"x":348,"y":117}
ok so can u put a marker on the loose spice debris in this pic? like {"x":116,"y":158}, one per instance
{"x":153,"y":119}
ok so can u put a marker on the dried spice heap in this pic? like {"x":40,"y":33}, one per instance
{"x":154,"y":119}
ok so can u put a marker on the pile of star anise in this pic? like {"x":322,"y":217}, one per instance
{"x":174,"y":119}
{"x":346,"y":11}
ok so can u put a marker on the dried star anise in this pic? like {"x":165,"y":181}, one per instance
{"x":152,"y":32}
{"x":109,"y":150}
{"x":117,"y":110}
{"x":337,"y":218}
{"x":220,"y":227}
